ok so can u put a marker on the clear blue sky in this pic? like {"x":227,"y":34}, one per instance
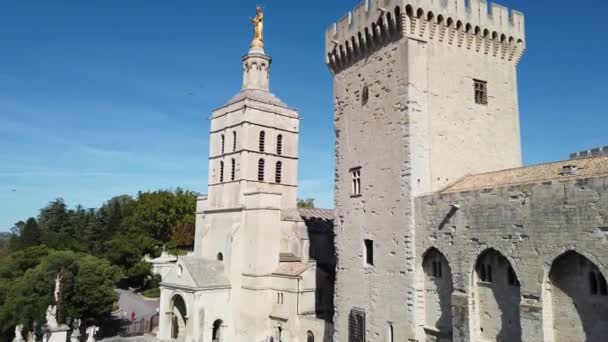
{"x":101,"y":98}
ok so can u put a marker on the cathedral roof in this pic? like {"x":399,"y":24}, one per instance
{"x":562,"y":170}
{"x":204,"y":272}
{"x":314,"y":218}
{"x":257,"y":95}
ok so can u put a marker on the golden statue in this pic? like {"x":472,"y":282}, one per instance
{"x":258,"y":28}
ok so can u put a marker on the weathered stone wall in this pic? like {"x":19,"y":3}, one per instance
{"x":531,"y":226}
{"x":373,"y":135}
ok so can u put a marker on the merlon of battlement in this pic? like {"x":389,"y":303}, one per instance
{"x":472,"y":17}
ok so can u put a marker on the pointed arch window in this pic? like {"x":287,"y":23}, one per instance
{"x":278,"y":172}
{"x":262,"y":141}
{"x":261,"y":170}
{"x":280,"y":144}
{"x":232,"y":169}
{"x":221,"y":171}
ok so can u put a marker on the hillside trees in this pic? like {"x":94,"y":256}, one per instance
{"x":98,"y":248}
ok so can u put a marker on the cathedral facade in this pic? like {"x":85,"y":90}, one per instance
{"x":262,"y":269}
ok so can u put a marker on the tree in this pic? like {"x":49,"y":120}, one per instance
{"x":88,"y":290}
{"x":308,"y":203}
{"x":156,"y":213}
{"x":25,"y":234}
{"x":183,"y":235}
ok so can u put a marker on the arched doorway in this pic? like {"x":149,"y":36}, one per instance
{"x":178,"y":321}
{"x":216,"y":334}
{"x":438,"y":290}
{"x":497,"y":298}
{"x":578,"y":299}
{"x":310,"y":337}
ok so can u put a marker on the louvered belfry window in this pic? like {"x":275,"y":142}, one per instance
{"x":356,"y":326}
{"x":262,"y":140}
{"x":261,"y":170}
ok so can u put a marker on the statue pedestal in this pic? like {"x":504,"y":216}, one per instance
{"x":57,"y":334}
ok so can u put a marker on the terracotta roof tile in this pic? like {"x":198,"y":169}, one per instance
{"x":586,"y":168}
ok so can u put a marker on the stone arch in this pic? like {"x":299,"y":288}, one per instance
{"x":575,"y":300}
{"x":310,"y":337}
{"x":438,"y":288}
{"x":179,"y":317}
{"x":496,"y":297}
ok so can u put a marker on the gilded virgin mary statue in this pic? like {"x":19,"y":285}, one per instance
{"x":258,"y":29}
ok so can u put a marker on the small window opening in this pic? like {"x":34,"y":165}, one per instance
{"x":369,"y":252}
{"x":391,"y":333}
{"x":262,"y":141}
{"x":223,"y":143}
{"x":364,"y":95}
{"x":593,"y":283}
{"x":233,"y":141}
{"x":261,"y":170}
{"x":278,"y":172}
{"x":232,"y":169}
{"x":220,"y":256}
{"x":489,"y":273}
{"x":356,"y":181}
{"x":485,"y":273}
{"x":221,"y":171}
{"x":436,"y":269}
{"x":512,"y":277}
{"x":279,"y":144}
{"x":481,"y":92}
{"x":356,"y":326}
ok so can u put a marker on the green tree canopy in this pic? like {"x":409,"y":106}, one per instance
{"x":308,"y":203}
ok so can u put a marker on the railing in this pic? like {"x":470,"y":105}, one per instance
{"x":140,"y":327}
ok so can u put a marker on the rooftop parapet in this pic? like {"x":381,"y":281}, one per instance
{"x":494,"y":23}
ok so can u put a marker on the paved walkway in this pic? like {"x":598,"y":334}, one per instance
{"x":130,"y":302}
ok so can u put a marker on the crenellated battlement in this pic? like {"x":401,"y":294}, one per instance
{"x":493,"y":30}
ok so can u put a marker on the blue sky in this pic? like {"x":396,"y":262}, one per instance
{"x":101,"y":98}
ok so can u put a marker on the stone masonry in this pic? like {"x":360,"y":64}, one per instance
{"x":432,"y":244}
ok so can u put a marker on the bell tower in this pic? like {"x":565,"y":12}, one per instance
{"x":253,"y":154}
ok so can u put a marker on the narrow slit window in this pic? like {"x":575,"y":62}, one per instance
{"x":280,"y":144}
{"x":233,"y":141}
{"x":278,"y":172}
{"x":356,"y":326}
{"x":232,"y":169}
{"x":593,"y":283}
{"x":221,"y":171}
{"x":369,"y":252}
{"x":262,"y":141}
{"x":261,"y":170}
{"x":356,"y":181}
{"x":223,"y":143}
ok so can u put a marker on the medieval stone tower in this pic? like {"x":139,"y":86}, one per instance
{"x":425,"y":92}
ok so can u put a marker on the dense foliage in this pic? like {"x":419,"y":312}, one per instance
{"x":308,"y":203}
{"x":98,"y":250}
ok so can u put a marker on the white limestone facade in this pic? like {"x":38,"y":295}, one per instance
{"x":262,"y":270}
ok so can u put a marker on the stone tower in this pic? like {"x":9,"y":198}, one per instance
{"x":253,"y":163}
{"x":425,"y":92}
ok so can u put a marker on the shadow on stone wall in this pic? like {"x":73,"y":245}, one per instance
{"x":580,"y":313}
